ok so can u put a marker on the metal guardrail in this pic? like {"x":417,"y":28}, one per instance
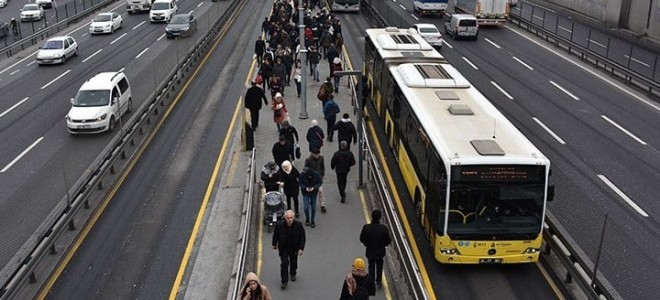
{"x":22,"y":268}
{"x":604,"y":61}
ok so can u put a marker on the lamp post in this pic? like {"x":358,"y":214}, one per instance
{"x":359,"y":122}
{"x":303,"y":57}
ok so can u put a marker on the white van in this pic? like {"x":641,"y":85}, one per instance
{"x":462,"y":25}
{"x":99,"y":103}
{"x":162,"y":10}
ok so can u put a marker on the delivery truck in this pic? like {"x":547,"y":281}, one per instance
{"x":488,"y":12}
{"x":430,"y":7}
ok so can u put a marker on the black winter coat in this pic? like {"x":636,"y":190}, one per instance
{"x":289,"y":239}
{"x":290,"y":180}
{"x":342,"y":161}
{"x":366,"y":282}
{"x":253,"y":97}
{"x":282,"y":152}
{"x":316,"y":164}
{"x":346,"y":131}
{"x":315,"y":138}
{"x":375,"y":237}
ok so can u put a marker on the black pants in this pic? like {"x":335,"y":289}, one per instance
{"x":289,"y":265}
{"x":295,"y":202}
{"x":331,"y":126}
{"x":254,"y":116}
{"x":376,"y":268}
{"x":341,"y":184}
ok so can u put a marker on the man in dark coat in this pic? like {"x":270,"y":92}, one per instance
{"x":346,"y":131}
{"x":289,"y":239}
{"x":259,"y":48}
{"x":310,"y":183}
{"x":282,"y":151}
{"x":291,"y":135}
{"x":341,"y":162}
{"x":253,"y":97}
{"x":375,"y":237}
{"x":315,"y":136}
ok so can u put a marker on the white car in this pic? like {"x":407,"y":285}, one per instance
{"x":44,"y":3}
{"x":430,"y":33}
{"x":162,"y":10}
{"x":3,"y":3}
{"x":31,"y":12}
{"x":57,"y":50}
{"x":106,"y":23}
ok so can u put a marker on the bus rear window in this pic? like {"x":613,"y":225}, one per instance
{"x":467,"y":23}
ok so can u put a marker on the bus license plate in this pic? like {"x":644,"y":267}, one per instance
{"x":490,"y":261}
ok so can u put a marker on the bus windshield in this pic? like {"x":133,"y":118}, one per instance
{"x":498,"y":208}
{"x":349,"y":2}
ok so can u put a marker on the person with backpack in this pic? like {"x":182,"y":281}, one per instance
{"x":330,"y":111}
{"x":358,"y":284}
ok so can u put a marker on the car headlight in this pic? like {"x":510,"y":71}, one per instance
{"x":102,"y":117}
{"x":68,"y":118}
{"x":185,"y":28}
{"x":57,"y":55}
{"x":106,"y":26}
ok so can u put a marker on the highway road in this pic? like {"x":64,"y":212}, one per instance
{"x":600,"y":136}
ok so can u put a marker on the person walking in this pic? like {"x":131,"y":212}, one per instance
{"x":290,"y":177}
{"x":253,"y":289}
{"x":291,"y":135}
{"x":282,"y":151}
{"x":279,"y":70}
{"x":296,"y":74}
{"x":253,"y":97}
{"x":275,"y":85}
{"x":310,"y":183}
{"x":375,"y":237}
{"x":289,"y":240}
{"x":270,"y":176}
{"x":287,"y":61}
{"x":336,"y":67}
{"x":316,"y":162}
{"x":279,"y":110}
{"x":358,"y":283}
{"x":333,"y":52}
{"x":259,"y":48}
{"x":266,"y":70}
{"x":315,"y":136}
{"x":345,"y":131}
{"x":341,"y":162}
{"x":330,"y":111}
{"x":314,"y":59}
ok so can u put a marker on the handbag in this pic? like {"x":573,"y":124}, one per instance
{"x":278,"y":113}
{"x":298,"y":153}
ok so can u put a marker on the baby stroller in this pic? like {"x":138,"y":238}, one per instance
{"x":274,"y":208}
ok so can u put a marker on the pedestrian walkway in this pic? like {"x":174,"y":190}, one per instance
{"x":334,"y":242}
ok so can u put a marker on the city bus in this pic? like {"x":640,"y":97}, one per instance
{"x":479,"y":186}
{"x":345,"y":5}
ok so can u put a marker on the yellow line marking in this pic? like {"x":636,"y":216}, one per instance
{"x":404,"y":218}
{"x":552,"y":284}
{"x":367,"y":217}
{"x":232,"y":169}
{"x":260,"y":246}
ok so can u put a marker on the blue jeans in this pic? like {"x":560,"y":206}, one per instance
{"x":315,"y":71}
{"x":309,"y":204}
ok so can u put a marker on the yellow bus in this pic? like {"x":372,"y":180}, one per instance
{"x":480,"y":187}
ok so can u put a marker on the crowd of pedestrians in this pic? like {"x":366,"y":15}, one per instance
{"x":279,"y":63}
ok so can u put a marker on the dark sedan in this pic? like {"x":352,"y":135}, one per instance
{"x":181,"y":25}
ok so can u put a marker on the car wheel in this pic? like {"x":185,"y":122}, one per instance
{"x":64,"y":58}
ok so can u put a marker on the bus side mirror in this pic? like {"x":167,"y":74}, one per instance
{"x":551,"y":192}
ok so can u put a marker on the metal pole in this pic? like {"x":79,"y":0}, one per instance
{"x":600,"y":247}
{"x":303,"y":58}
{"x":359,"y":123}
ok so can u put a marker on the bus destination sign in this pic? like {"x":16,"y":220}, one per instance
{"x":497,"y":173}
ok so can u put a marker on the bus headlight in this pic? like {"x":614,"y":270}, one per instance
{"x":531,"y":250}
{"x":449,"y":251}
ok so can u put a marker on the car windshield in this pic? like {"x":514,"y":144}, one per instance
{"x":428,"y":30}
{"x":161,"y":6}
{"x":29,"y":7}
{"x":92,"y":98}
{"x":179,"y":19}
{"x":54,"y":44}
{"x":102,"y":18}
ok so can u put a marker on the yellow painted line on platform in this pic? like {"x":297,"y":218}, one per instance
{"x":367,"y":217}
{"x":232,"y":168}
{"x":402,"y":214}
{"x":551,"y":282}
{"x":260,"y":246}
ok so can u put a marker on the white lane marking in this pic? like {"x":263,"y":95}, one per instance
{"x":492,"y":43}
{"x":414,"y":17}
{"x":624,"y":130}
{"x":637,"y":61}
{"x":31,"y":63}
{"x":143,"y":51}
{"x":16,"y":71}
{"x":564,"y":90}
{"x":404,"y":8}
{"x":13,"y":107}
{"x":565,"y":29}
{"x":160,"y":37}
{"x":93,"y":54}
{"x":597,"y":43}
{"x":18,"y":62}
{"x":56,"y":78}
{"x":21,"y":155}
{"x":523,"y":63}
{"x":138,"y":25}
{"x":502,"y":90}
{"x":616,"y":84}
{"x":546,"y":128}
{"x":200,"y":4}
{"x":448,"y":44}
{"x":121,"y":36}
{"x":623,"y":196}
{"x":470,"y":63}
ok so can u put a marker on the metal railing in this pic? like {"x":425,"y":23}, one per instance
{"x":22,"y":268}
